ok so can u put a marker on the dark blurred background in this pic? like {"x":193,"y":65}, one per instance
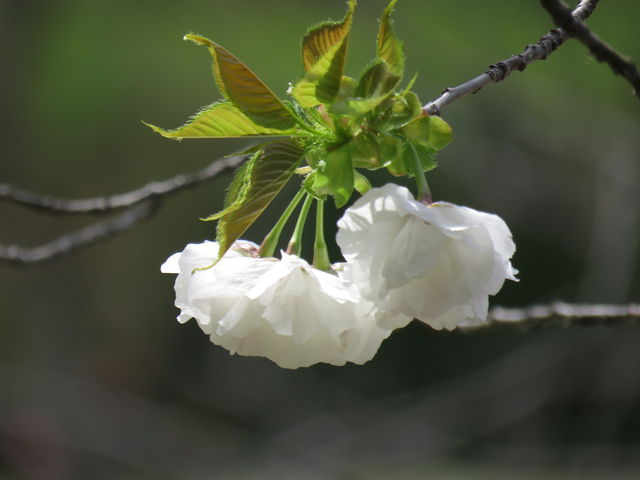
{"x":97,"y":379}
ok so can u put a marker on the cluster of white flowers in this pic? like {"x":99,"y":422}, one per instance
{"x":437,"y":263}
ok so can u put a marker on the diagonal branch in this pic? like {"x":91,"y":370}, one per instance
{"x":123,"y":200}
{"x":602,"y":52}
{"x":560,"y":313}
{"x":140,"y":204}
{"x":20,"y":256}
{"x":498,"y":72}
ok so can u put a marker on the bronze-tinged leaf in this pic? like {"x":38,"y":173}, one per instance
{"x":324,"y":52}
{"x":220,"y":120}
{"x":390,"y":49}
{"x":266,"y":173}
{"x":323,"y":37}
{"x":245,"y":90}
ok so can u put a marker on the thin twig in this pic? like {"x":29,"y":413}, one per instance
{"x":560,"y":313}
{"x":105,"y":204}
{"x":499,"y":71}
{"x":602,"y":52}
{"x":18,"y":255}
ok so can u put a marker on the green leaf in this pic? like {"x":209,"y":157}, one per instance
{"x":404,"y":109}
{"x":247,"y":92}
{"x":237,"y":189}
{"x":426,"y":155}
{"x":335,"y":177}
{"x":221,"y":119}
{"x":390,"y":49}
{"x":320,"y":39}
{"x":375,"y":86}
{"x":324,"y":51}
{"x":392,"y":149}
{"x":429,"y":131}
{"x":364,"y":150}
{"x":440,"y":132}
{"x":361,"y":183}
{"x":254,"y":187}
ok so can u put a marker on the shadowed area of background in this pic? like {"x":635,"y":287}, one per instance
{"x":97,"y":380}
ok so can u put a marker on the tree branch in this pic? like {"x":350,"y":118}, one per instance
{"x":71,"y":242}
{"x":499,"y":71}
{"x":559,"y":313}
{"x":105,"y":204}
{"x":141,"y":204}
{"x":602,"y":52}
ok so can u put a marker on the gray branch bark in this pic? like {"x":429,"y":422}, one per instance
{"x":560,"y":314}
{"x":141,"y":204}
{"x":602,"y":52}
{"x":501,"y":70}
{"x":54,"y":205}
{"x":18,"y":255}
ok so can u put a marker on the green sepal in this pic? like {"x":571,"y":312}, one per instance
{"x":392,"y":149}
{"x":375,"y":86}
{"x":390,"y":48}
{"x":403,"y":109}
{"x":365,"y":151}
{"x":254,"y":187}
{"x":440,"y":132}
{"x":324,"y":51}
{"x":426,"y":155}
{"x":219,"y":120}
{"x":335,"y":176}
{"x":429,"y":131}
{"x":245,"y":90}
{"x":361,"y":183}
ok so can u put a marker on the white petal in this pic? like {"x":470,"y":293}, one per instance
{"x":437,"y":263}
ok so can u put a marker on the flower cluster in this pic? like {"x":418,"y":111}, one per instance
{"x":437,"y":263}
{"x":405,"y":258}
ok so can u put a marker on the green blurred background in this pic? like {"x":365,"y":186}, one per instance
{"x":97,"y":379}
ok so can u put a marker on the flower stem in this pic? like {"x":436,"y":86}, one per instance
{"x":295,"y":244}
{"x":270,"y":242}
{"x":320,"y":252}
{"x":424,"y":193}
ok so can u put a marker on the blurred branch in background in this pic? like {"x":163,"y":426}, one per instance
{"x":501,"y":70}
{"x":71,"y":242}
{"x":153,"y":190}
{"x":573,"y":26}
{"x":141,"y":204}
{"x":560,"y":313}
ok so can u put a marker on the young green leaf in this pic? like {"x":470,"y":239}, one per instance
{"x":375,"y":86}
{"x":364,"y":150}
{"x":440,"y":132}
{"x":324,"y":51}
{"x":260,"y":181}
{"x":221,"y":119}
{"x":426,"y":155}
{"x":324,"y":36}
{"x":390,"y":49}
{"x":247,"y":92}
{"x":361,"y":183}
{"x":335,"y":176}
{"x":429,"y":131}
{"x":404,"y":109}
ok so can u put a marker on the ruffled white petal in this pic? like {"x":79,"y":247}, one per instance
{"x":284,"y":310}
{"x":437,"y":263}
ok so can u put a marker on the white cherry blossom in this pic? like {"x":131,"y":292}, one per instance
{"x":284,"y":310}
{"x":437,"y":263}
